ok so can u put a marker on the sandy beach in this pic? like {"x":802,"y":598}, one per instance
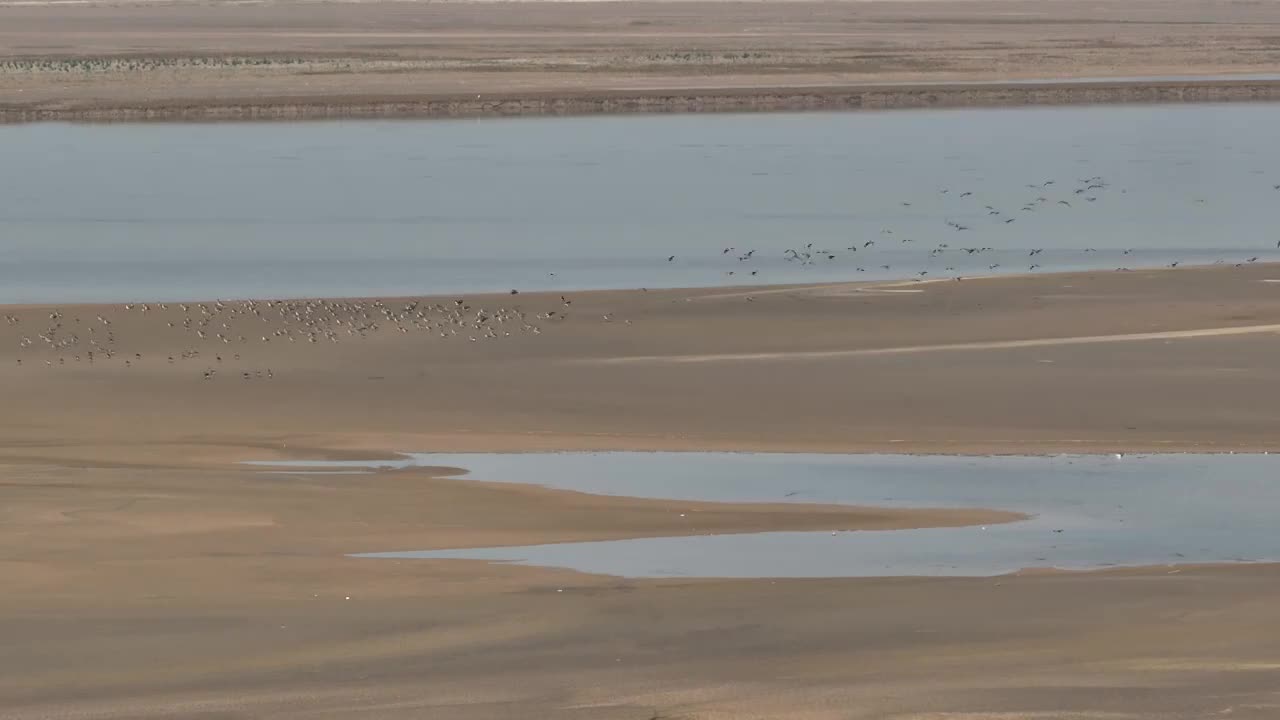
{"x":297,"y":60}
{"x":1025,"y":364}
{"x":147,"y":571}
{"x":148,"y":574}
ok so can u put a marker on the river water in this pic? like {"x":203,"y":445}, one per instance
{"x":162,"y":212}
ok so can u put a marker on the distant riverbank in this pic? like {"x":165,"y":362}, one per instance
{"x":676,"y":100}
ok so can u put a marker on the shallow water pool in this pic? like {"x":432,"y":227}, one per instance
{"x":1086,"y":511}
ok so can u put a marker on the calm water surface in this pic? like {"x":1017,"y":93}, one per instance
{"x":154,"y":212}
{"x":1087,"y":511}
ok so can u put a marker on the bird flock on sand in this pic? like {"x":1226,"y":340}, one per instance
{"x":1040,"y":198}
{"x":211,"y":336}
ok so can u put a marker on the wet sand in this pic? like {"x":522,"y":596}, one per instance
{"x":1153,"y":360}
{"x":149,"y":575}
{"x":295,"y":60}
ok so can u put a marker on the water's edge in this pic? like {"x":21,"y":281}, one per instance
{"x":1083,"y":512}
{"x":698,"y":100}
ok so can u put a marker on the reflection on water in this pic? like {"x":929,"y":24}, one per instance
{"x":1088,"y":511}
{"x":154,"y":212}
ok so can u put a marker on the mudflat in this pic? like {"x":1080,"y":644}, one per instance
{"x":1149,"y":360}
{"x":148,"y":574}
{"x":232,"y":60}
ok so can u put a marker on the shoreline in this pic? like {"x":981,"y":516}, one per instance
{"x":560,"y":391}
{"x":701,"y":293}
{"x":576,"y":444}
{"x":569,"y":443}
{"x":834,"y":98}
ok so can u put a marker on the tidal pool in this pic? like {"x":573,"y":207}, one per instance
{"x":1087,"y":512}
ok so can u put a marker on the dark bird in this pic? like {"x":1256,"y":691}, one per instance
{"x":670,"y":258}
{"x":1064,"y":202}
